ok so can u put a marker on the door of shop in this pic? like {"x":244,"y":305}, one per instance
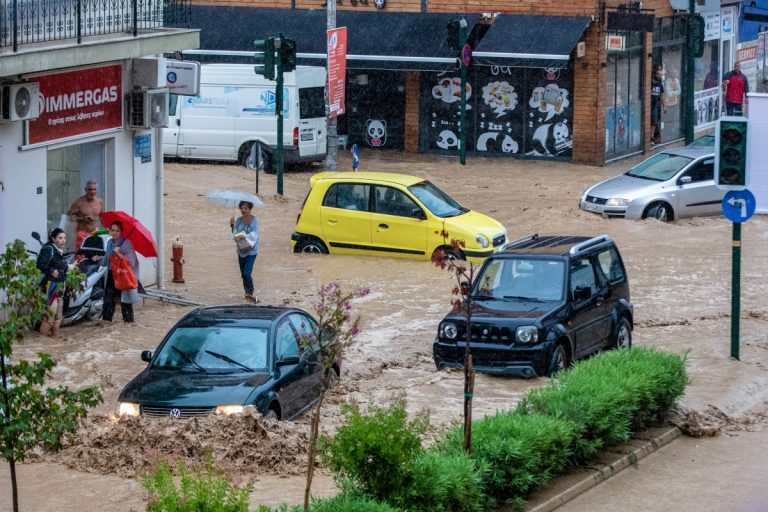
{"x":375,"y":117}
{"x":69,"y":169}
{"x":624,"y":98}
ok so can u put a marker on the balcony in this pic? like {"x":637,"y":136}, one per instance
{"x":38,"y":35}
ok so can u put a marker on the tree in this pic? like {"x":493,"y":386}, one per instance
{"x":336,"y":331}
{"x":31,"y":414}
{"x":446,"y":258}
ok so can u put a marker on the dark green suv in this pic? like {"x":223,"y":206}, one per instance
{"x":540,"y":303}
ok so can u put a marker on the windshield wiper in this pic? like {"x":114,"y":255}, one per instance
{"x":189,"y":359}
{"x":229,"y":360}
{"x":522,"y":297}
{"x":485,"y":297}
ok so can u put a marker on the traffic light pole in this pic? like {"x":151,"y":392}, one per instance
{"x":690,"y":70}
{"x":463,"y":115}
{"x":279,"y":111}
{"x":735,"y":289}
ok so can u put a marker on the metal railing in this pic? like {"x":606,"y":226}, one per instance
{"x":38,"y":21}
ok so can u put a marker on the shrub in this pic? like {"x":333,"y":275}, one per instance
{"x":610,"y":395}
{"x":518,"y":452}
{"x":199,"y":490}
{"x":374,"y":451}
{"x":443,"y":482}
{"x":340,"y":503}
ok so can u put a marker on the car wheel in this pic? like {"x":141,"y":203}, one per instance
{"x":271,"y":414}
{"x":558,"y":361}
{"x":623,"y":338}
{"x":331,"y":379}
{"x":661,"y":212}
{"x":311,"y":245}
{"x":451,"y":254}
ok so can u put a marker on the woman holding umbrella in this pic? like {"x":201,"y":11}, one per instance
{"x":245,"y":233}
{"x":123,"y":248}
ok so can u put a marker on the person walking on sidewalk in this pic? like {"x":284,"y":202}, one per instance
{"x":123,"y":248}
{"x":657,"y":103}
{"x":245,"y":233}
{"x":736,"y":87}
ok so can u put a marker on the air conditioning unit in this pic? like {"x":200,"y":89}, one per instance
{"x":149,"y":73}
{"x":20,"y":102}
{"x":148,"y":109}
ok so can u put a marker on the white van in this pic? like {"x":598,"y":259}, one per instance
{"x":236,"y":109}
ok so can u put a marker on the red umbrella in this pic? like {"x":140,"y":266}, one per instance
{"x":133,"y":230}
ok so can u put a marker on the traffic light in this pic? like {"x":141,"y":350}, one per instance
{"x":696,"y":26}
{"x":288,"y":54}
{"x":265,"y":57}
{"x":731,"y":153}
{"x":454,"y":35}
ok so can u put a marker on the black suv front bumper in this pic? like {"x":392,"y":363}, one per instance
{"x":501,"y":359}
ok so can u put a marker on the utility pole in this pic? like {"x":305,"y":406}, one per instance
{"x":332,"y":133}
{"x":694,"y":48}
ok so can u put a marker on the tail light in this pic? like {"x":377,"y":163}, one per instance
{"x":296,"y":136}
{"x":298,"y":217}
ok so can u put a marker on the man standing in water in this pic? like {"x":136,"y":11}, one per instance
{"x":85,"y":212}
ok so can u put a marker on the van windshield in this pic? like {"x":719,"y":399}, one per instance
{"x":311,"y":103}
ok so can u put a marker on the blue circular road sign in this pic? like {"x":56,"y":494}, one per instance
{"x":739,"y":205}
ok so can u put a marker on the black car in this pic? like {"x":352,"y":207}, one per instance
{"x":230,"y":359}
{"x":540,"y":303}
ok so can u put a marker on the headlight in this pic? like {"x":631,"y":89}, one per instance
{"x":129,"y":409}
{"x":482,"y":240}
{"x":527,"y":334}
{"x":449,"y":331}
{"x":229,"y":409}
{"x":614,"y":201}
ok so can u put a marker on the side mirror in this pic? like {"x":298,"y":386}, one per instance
{"x":418,"y":213}
{"x":684,"y":179}
{"x":582,"y":293}
{"x":146,"y":355}
{"x":464,"y":289}
{"x":36,"y":236}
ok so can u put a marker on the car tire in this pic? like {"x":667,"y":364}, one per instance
{"x":271,"y":414}
{"x":558,"y":361}
{"x":243,"y":153}
{"x":269,"y":166}
{"x":451,"y":254}
{"x":311,"y":245}
{"x":661,"y":212}
{"x":623,"y":336}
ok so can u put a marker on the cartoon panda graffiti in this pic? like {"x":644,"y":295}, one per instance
{"x":448,"y":140}
{"x":376,"y":132}
{"x":551,"y":139}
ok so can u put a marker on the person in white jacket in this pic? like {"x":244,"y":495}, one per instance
{"x":245,"y":233}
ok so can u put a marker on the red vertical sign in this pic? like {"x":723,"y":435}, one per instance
{"x":337,"y":70}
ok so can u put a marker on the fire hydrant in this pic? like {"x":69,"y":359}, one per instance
{"x":178,"y":261}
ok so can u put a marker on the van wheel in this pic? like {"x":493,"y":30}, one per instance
{"x":269,"y":166}
{"x":311,"y":245}
{"x":623,"y":338}
{"x":243,"y":153}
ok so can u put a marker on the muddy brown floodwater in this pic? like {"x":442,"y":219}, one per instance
{"x":680,"y":285}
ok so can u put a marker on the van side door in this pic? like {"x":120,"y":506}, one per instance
{"x":171,"y":132}
{"x":312,"y":122}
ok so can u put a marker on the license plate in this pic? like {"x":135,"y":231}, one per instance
{"x":307,"y":136}
{"x":590,"y":207}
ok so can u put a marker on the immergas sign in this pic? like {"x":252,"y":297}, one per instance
{"x":77,"y":103}
{"x":183,"y":77}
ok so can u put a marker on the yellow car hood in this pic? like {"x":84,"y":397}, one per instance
{"x":468,"y":225}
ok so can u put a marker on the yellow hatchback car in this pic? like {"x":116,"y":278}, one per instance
{"x":388,"y":214}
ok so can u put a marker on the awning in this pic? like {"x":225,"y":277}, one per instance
{"x":375,"y":40}
{"x":530,"y":41}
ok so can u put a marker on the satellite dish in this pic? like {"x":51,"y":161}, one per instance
{"x":22,"y":102}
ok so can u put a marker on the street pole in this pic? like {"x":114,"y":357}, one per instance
{"x":735,"y":288}
{"x":332,"y":133}
{"x":279,"y":112}
{"x":463,"y":114}
{"x":690,"y":65}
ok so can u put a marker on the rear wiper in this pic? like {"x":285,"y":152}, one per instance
{"x":189,"y":359}
{"x":521,"y":297}
{"x":229,"y":360}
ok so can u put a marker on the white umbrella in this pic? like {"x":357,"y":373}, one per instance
{"x":231,"y":198}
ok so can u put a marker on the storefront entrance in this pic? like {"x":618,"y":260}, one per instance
{"x":69,"y":169}
{"x":375,"y":117}
{"x":624,"y":97}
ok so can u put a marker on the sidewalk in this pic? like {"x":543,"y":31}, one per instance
{"x":727,"y":473}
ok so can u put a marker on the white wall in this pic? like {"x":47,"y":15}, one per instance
{"x":758,"y":149}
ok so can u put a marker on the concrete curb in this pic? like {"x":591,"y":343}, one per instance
{"x":553,"y":496}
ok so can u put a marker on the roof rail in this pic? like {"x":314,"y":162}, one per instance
{"x":532,"y":236}
{"x":589,"y":243}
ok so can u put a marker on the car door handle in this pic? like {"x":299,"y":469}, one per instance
{"x":383,"y":226}
{"x":333,"y":221}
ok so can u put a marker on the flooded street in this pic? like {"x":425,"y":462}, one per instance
{"x":679,"y":280}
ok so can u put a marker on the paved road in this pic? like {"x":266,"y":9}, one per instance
{"x":728,"y":473}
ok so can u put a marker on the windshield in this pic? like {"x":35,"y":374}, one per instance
{"x":436,"y":201}
{"x":660,"y":167}
{"x":521,"y":279}
{"x":215,"y":349}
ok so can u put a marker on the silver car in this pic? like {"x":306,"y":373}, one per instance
{"x":670,"y":185}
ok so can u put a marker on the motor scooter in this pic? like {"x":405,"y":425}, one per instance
{"x":88,"y":303}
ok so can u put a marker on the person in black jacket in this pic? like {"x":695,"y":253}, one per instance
{"x":53,"y":265}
